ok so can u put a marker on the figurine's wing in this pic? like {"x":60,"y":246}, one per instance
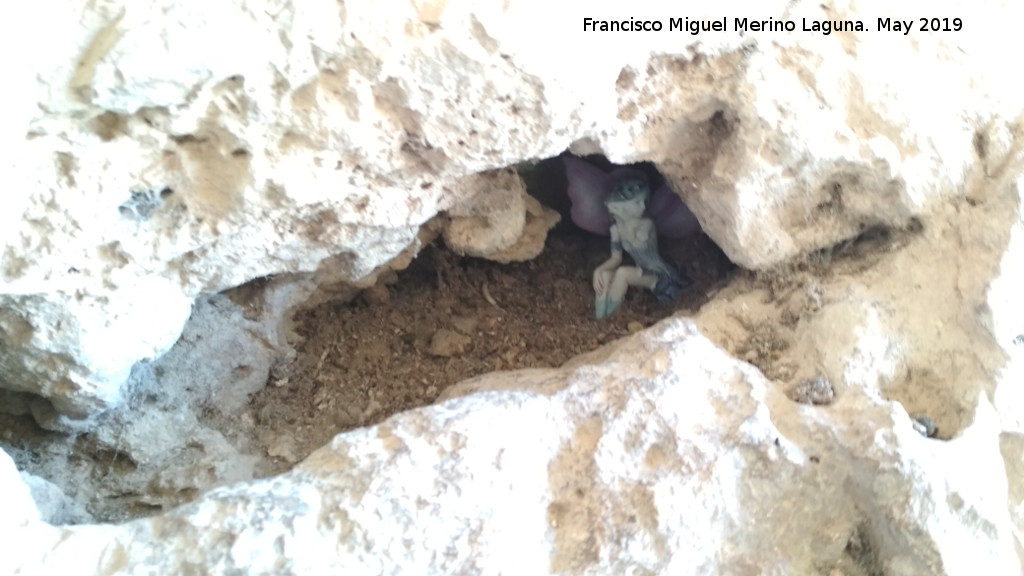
{"x":672,"y":218}
{"x":588,"y":188}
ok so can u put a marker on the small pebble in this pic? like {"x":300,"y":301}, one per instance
{"x":447,"y":343}
{"x":285,"y":449}
{"x":372,"y":408}
{"x":465,"y":324}
{"x":376,"y":295}
{"x":634,"y":327}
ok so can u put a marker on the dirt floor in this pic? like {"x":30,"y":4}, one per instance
{"x":449,"y":318}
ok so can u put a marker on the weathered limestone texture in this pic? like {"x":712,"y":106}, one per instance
{"x":501,"y":222}
{"x":159,"y":154}
{"x":658,"y":453}
{"x":54,"y":506}
{"x":158,"y":165}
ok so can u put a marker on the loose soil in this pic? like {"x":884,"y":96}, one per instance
{"x":446,"y":319}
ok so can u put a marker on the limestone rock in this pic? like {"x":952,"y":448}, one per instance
{"x":54,"y":506}
{"x":494,"y":216}
{"x":669,"y":455}
{"x":539,"y":220}
{"x":150,"y":170}
{"x":158,"y":167}
{"x":19,"y":506}
{"x":500,"y":222}
{"x":154,"y":448}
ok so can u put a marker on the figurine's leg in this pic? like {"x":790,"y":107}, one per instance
{"x":625,"y":276}
{"x":603,"y":280}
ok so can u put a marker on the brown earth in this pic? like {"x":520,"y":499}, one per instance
{"x":446,"y":319}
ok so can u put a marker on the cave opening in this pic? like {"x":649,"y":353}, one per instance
{"x":242,"y":409}
{"x":447,"y":318}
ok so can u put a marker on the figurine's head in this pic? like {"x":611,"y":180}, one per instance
{"x":629,"y":198}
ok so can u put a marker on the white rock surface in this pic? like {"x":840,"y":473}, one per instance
{"x":153,"y":163}
{"x":19,"y":507}
{"x":668,"y":456}
{"x":160,"y":166}
{"x":54,"y":506}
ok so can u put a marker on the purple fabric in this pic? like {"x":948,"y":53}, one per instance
{"x":589,"y":186}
